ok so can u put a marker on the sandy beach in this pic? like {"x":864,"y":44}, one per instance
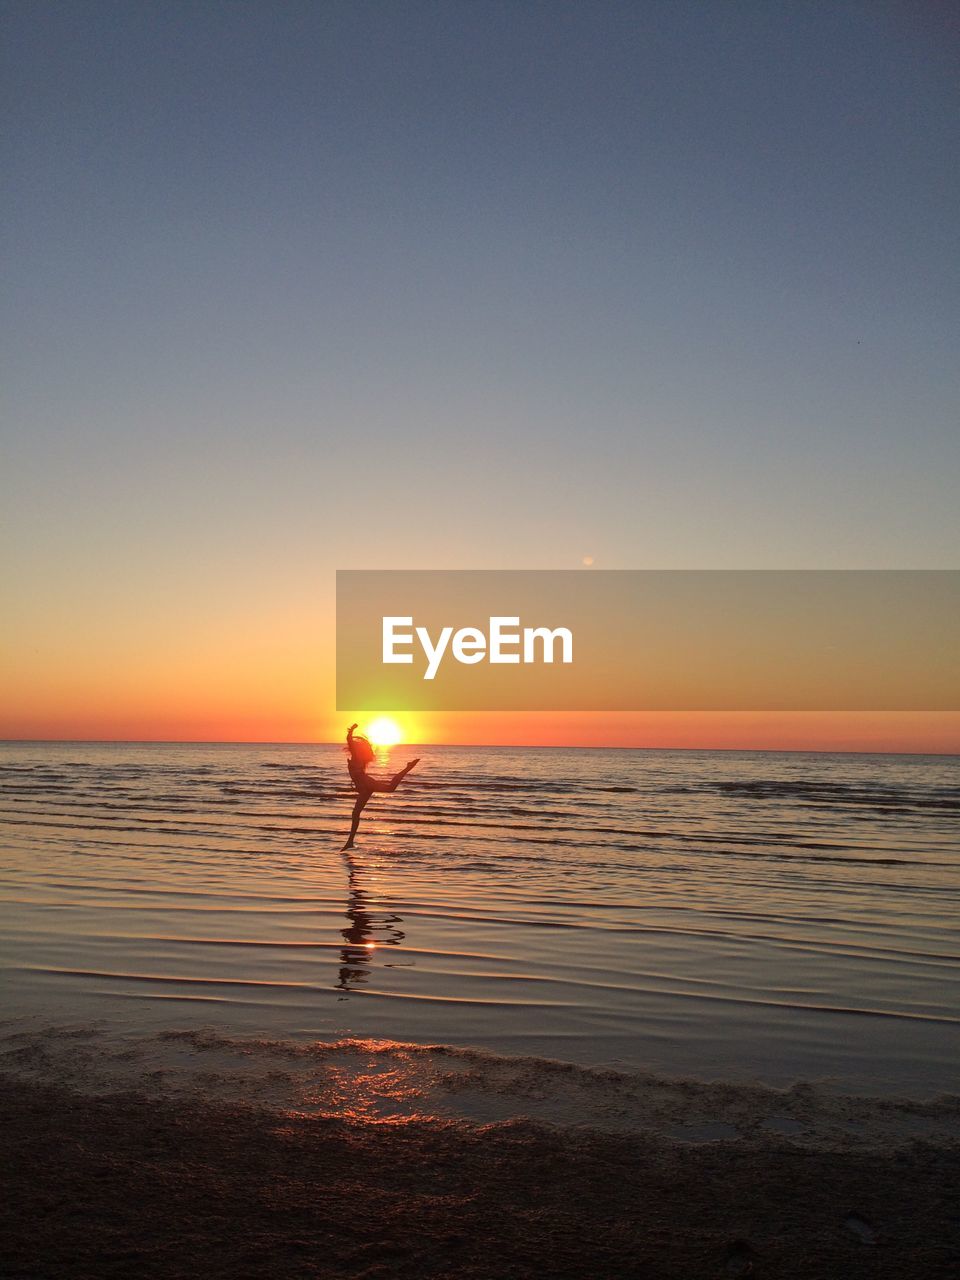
{"x":191,"y":1152}
{"x":119,"y":1185}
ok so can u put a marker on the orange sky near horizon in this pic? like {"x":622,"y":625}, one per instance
{"x":271,"y":680}
{"x":259,"y":721}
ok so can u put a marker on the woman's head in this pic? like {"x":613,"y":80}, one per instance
{"x":361,"y":750}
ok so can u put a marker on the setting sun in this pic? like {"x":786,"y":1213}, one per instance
{"x":384,"y":732}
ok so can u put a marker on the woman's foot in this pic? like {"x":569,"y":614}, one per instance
{"x":348,"y":845}
{"x":412,"y":764}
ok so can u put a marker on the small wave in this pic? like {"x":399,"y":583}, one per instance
{"x":364,"y":1080}
{"x":901,"y":799}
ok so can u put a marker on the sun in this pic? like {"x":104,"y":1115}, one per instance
{"x":384,"y":732}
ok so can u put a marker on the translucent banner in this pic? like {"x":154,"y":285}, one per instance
{"x":648,"y":640}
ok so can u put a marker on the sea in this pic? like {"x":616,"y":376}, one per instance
{"x":779,"y":920}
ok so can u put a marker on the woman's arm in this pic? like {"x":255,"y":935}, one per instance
{"x":350,"y":736}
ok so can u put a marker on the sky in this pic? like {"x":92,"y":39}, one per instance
{"x":294,"y":287}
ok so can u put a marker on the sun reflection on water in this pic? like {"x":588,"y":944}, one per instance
{"x":372,"y":1091}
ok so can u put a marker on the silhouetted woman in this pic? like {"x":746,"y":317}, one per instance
{"x":361,"y":756}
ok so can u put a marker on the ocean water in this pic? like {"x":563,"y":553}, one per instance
{"x":752,"y":918}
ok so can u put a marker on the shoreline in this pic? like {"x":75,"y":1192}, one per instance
{"x":385,"y":1081}
{"x":121,"y":1184}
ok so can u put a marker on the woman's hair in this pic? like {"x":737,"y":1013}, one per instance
{"x":360,"y":748}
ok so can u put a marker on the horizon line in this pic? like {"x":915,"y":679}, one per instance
{"x":518,"y":746}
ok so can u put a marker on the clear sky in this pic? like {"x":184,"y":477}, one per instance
{"x":293,"y":287}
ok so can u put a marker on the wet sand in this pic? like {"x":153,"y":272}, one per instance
{"x":124,"y":1185}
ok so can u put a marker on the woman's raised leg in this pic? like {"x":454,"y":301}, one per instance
{"x":399,"y":777}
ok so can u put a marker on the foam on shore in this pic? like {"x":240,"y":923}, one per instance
{"x":393,"y":1082}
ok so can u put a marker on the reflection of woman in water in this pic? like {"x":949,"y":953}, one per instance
{"x":361,"y":756}
{"x":369,"y":928}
